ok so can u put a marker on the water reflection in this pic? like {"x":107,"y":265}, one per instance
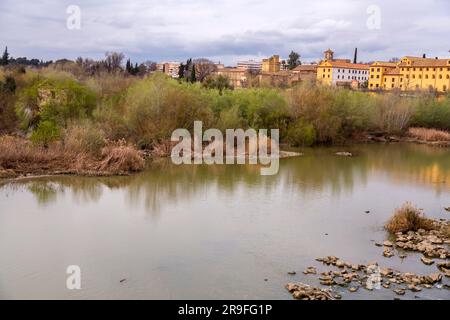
{"x":320,"y":169}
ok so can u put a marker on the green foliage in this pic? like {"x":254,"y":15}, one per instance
{"x":294,"y":60}
{"x":432,"y":113}
{"x":220,"y":83}
{"x":301,"y":134}
{"x":45,"y":133}
{"x":58,"y":100}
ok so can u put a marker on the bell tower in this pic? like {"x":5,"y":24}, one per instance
{"x":329,"y":55}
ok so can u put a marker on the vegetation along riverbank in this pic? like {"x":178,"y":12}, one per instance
{"x":64,"y":118}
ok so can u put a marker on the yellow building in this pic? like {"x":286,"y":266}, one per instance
{"x":272,"y":64}
{"x":341,"y":72}
{"x":411,"y":73}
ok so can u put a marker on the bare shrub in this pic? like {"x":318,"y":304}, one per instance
{"x":85,"y":137}
{"x":429,"y":134}
{"x":408,"y":218}
{"x":121,"y":157}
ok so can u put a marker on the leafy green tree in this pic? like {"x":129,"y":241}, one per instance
{"x":294,"y":60}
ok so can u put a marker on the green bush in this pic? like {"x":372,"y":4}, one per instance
{"x":432,"y":113}
{"x":46,"y":133}
{"x":301,"y":134}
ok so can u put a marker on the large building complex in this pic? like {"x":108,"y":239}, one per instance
{"x":341,"y":72}
{"x":250,"y":65}
{"x":411,"y":73}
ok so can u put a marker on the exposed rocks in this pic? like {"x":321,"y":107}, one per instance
{"x":388,"y":253}
{"x":310,"y":270}
{"x":427,"y":261}
{"x":388,"y":244}
{"x":302,"y":291}
{"x":344,"y":154}
{"x":373,"y":277}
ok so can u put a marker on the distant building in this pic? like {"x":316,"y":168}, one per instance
{"x":306,"y":72}
{"x":271,"y":64}
{"x":341,"y":72}
{"x":411,"y":73}
{"x":237,"y":76}
{"x":169,"y":68}
{"x":250,"y":65}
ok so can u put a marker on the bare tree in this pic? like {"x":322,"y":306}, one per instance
{"x":151,"y":65}
{"x":204,"y":68}
{"x":113,"y":61}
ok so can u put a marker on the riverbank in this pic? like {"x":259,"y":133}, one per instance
{"x":20,"y":158}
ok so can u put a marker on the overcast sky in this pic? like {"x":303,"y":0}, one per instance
{"x":226,"y":30}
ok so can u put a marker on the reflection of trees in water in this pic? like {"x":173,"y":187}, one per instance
{"x":424,"y":165}
{"x":318,"y":170}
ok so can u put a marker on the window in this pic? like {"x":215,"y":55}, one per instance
{"x":448,"y":76}
{"x":414,"y":69}
{"x":413,"y":76}
{"x":392,"y":85}
{"x":371,"y":76}
{"x":377,"y":85}
{"x":426,"y":76}
{"x":393,"y":79}
{"x":378,"y":76}
{"x":373,"y":69}
{"x":378,"y":69}
{"x":401,"y":79}
{"x":371,"y":85}
{"x":328,"y":76}
{"x":420,"y":76}
{"x":338,"y":77}
{"x":385,"y":79}
{"x":324,"y":76}
{"x":440,"y":76}
{"x":444,"y":88}
{"x":433,"y":76}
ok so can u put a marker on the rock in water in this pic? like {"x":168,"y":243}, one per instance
{"x":427,"y":261}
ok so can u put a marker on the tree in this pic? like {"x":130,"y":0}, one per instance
{"x":113,"y":61}
{"x":294,"y":60}
{"x":204,"y":68}
{"x":181,"y":70}
{"x":5,"y":58}
{"x":193,"y":77}
{"x":220,"y":82}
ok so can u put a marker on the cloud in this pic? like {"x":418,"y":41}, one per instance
{"x":224,"y":30}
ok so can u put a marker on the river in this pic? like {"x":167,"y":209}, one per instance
{"x":215,"y":232}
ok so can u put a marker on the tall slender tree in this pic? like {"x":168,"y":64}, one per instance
{"x":5,"y":57}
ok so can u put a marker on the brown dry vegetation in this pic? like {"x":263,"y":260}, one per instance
{"x":408,"y":218}
{"x":429,"y":135}
{"x":20,"y":157}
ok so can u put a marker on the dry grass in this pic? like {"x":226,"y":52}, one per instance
{"x":18,"y":156}
{"x":429,"y":134}
{"x":121,"y":158}
{"x":408,"y":218}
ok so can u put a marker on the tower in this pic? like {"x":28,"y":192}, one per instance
{"x":355,"y":59}
{"x":329,"y":55}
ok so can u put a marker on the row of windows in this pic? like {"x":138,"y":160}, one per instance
{"x":427,"y":77}
{"x":353,"y":78}
{"x":444,"y":87}
{"x":348,"y":71}
{"x":414,"y":76}
{"x":426,"y":69}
